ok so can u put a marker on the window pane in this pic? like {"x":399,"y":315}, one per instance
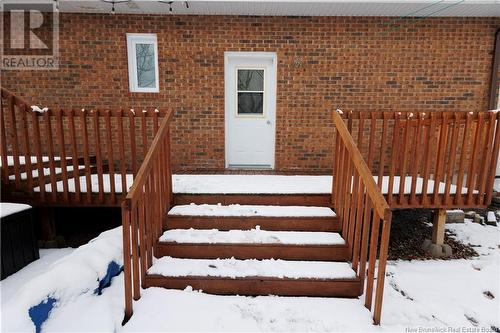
{"x":250,"y":103}
{"x":251,"y":79}
{"x":145,"y":55}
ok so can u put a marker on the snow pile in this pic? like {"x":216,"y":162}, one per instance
{"x":36,"y":108}
{"x":7,"y":208}
{"x":76,"y":275}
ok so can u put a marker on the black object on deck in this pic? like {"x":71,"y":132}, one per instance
{"x":19,"y":244}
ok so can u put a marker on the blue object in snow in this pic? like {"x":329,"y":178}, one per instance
{"x":113,"y":270}
{"x":39,"y":313}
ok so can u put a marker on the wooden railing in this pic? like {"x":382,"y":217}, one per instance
{"x":143,"y":210}
{"x":430,"y":160}
{"x":66,"y":157}
{"x":364,"y":214}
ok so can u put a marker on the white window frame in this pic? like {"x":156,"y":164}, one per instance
{"x":263,"y":92}
{"x":132,"y":40}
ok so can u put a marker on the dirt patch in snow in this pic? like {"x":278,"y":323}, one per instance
{"x":410,"y":227}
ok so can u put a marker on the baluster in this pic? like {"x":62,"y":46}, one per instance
{"x":473,"y":159}
{"x":127,"y":276}
{"x":144,"y":134}
{"x":86,"y":156}
{"x":132,"y":138}
{"x":416,"y":153}
{"x":404,"y":158}
{"x":394,"y":155}
{"x":494,"y":159}
{"x":39,"y":159}
{"x":14,"y":141}
{"x":97,"y":138}
{"x":383,"y":143}
{"x":111,"y":160}
{"x":27,"y":151}
{"x":135,"y":249}
{"x":62,"y":149}
{"x":372,"y":259}
{"x":463,"y":156}
{"x":121,"y":150}
{"x":384,"y":247}
{"x":75,"y":159}
{"x":453,"y":154}
{"x":486,"y":160}
{"x":50,"y":147}
{"x":440,"y":156}
{"x":427,"y":160}
{"x":3,"y":146}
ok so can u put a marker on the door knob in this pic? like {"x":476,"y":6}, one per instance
{"x":269,"y":122}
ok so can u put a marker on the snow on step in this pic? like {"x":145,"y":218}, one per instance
{"x":253,"y":236}
{"x":251,"y":210}
{"x":233,"y":268}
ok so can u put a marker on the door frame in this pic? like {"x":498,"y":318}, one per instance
{"x":230,"y":55}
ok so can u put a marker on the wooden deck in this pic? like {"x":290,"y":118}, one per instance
{"x":381,"y":162}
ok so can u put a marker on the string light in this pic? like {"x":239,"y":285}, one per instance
{"x":169,"y":3}
{"x":113,"y":2}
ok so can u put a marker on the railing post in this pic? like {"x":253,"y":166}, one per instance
{"x":127,"y":277}
{"x":382,"y":261}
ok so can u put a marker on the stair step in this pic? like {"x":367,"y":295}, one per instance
{"x":253,"y":236}
{"x":251,"y":210}
{"x":249,"y":244}
{"x":256,"y":277}
{"x":284,"y":218}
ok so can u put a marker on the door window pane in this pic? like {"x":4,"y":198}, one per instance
{"x":145,"y":56}
{"x":250,"y":80}
{"x":250,"y":103}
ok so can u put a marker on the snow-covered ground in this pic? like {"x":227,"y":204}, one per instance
{"x":434,"y":295}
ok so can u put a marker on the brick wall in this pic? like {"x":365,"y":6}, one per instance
{"x":358,"y":63}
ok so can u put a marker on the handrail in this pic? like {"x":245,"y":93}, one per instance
{"x":143,"y":211}
{"x":5,"y":93}
{"x":361,"y":209}
{"x":142,"y":174}
{"x":360,"y":164}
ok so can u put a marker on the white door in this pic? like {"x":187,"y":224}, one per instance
{"x":250,"y":109}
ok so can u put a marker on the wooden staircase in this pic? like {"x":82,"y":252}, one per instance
{"x":308,"y":256}
{"x":314,"y":254}
{"x":432,"y":160}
